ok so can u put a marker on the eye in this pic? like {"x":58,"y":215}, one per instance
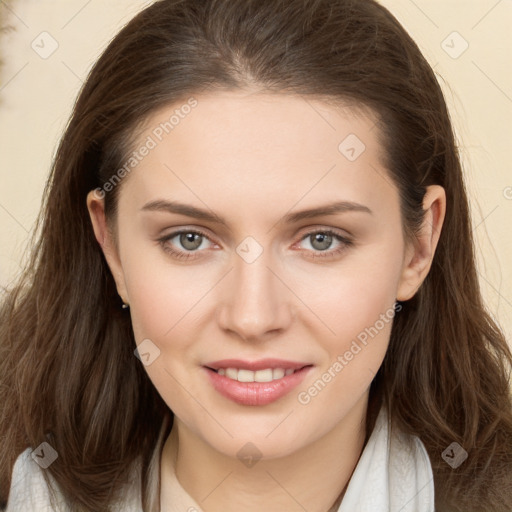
{"x":188,"y":239}
{"x":185,"y":244}
{"x":321,"y":241}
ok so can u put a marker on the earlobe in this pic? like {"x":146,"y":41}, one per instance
{"x":420,"y":254}
{"x":96,"y":208}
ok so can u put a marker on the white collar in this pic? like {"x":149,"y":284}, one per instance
{"x":393,"y":474}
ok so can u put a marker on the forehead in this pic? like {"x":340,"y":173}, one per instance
{"x":252,"y":120}
{"x":262,"y":145}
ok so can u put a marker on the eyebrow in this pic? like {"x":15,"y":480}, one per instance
{"x":161,"y":205}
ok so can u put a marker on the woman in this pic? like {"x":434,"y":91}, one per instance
{"x":254,"y":285}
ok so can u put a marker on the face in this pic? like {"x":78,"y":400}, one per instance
{"x":249,"y":278}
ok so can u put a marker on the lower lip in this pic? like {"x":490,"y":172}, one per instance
{"x":256,"y":393}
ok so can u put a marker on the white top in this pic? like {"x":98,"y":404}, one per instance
{"x":393,"y":475}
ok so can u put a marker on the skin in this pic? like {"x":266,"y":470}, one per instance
{"x":252,"y":157}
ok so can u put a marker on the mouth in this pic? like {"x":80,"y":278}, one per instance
{"x":264,"y":375}
{"x":272,"y":379}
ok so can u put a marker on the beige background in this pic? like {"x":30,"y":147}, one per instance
{"x":36,"y":96}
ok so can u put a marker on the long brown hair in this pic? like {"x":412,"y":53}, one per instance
{"x":66,"y":347}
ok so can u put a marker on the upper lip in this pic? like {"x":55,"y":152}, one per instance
{"x":261,"y":364}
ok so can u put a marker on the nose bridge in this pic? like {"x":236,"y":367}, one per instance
{"x":256,"y":301}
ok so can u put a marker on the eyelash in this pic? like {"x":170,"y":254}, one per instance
{"x":187,"y":255}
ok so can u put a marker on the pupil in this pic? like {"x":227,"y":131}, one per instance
{"x":190,"y":238}
{"x":323,"y":237}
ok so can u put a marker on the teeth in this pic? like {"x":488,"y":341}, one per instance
{"x":232,"y":373}
{"x":267,"y":375}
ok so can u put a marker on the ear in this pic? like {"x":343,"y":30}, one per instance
{"x":419,"y":255}
{"x":105,"y":237}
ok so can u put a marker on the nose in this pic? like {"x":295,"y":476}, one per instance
{"x":256,"y":303}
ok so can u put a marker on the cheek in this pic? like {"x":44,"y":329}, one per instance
{"x":164,"y":296}
{"x":167,"y":307}
{"x":357,"y":308}
{"x":360,"y":317}
{"x":352,"y":297}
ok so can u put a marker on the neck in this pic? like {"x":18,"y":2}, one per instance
{"x":313,"y":478}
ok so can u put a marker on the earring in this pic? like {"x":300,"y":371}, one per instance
{"x":125,"y":306}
